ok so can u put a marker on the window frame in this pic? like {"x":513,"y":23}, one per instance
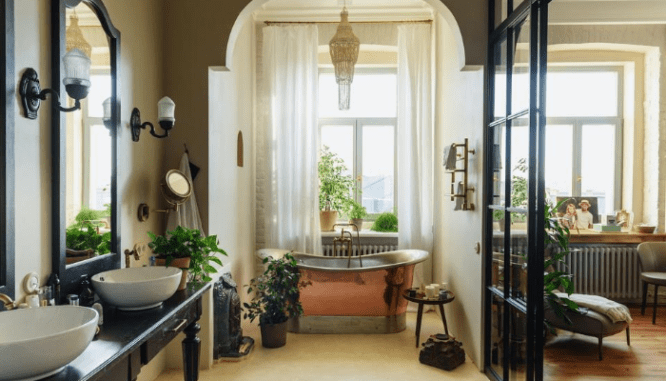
{"x":357,"y":165}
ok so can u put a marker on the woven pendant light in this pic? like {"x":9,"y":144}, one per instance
{"x":344,"y":53}
{"x":75,"y":38}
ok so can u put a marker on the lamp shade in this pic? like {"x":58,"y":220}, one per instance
{"x":77,"y":68}
{"x":166,"y":110}
{"x":106,"y":105}
{"x":344,"y":47}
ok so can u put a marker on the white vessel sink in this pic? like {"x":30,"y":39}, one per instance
{"x":137,"y":288}
{"x":38,"y":342}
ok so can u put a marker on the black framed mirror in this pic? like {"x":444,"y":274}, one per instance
{"x":86,"y":229}
{"x":7,"y":151}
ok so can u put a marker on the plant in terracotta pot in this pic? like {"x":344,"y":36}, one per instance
{"x":188,"y":250}
{"x":357,"y":213}
{"x":334,"y":188}
{"x":276,"y":299}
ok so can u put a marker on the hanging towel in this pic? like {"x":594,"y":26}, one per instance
{"x":450,"y":157}
{"x":459,"y":200}
{"x":188,"y":212}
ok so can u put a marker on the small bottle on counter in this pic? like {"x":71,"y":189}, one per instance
{"x":73,"y":299}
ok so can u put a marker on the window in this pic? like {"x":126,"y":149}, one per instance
{"x":97,"y":165}
{"x":364,"y":135}
{"x":584,"y":134}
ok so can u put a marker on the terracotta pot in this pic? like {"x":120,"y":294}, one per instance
{"x":181,"y":263}
{"x":274,"y":335}
{"x":327,"y":218}
{"x":358,"y":222}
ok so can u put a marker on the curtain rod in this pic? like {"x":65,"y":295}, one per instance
{"x":351,"y":22}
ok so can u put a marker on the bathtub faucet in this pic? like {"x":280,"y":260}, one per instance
{"x":349,"y":241}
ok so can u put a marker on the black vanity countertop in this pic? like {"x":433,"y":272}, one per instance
{"x":123,"y":333}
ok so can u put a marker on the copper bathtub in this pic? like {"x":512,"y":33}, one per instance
{"x":358,"y":296}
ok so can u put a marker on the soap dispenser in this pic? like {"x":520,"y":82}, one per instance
{"x":86,"y":294}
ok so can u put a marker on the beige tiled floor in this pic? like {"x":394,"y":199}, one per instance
{"x":337,"y":357}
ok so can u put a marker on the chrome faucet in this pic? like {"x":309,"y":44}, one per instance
{"x":7,"y":302}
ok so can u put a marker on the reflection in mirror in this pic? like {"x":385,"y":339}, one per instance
{"x":88,"y":145}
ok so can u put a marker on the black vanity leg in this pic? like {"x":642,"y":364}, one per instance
{"x":191,"y":352}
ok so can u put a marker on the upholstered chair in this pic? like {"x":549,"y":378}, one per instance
{"x":652,"y":256}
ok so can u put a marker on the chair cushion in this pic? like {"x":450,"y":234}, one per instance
{"x":654,"y":278}
{"x":585,"y":322}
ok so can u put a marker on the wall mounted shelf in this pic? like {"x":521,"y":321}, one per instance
{"x":460,"y":188}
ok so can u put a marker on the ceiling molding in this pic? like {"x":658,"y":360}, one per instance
{"x":607,"y":12}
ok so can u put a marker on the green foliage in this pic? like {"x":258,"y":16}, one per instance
{"x":334,"y":187}
{"x":386,"y":222}
{"x":276,"y":292}
{"x":556,"y":242}
{"x":184,"y":242}
{"x":84,"y":235}
{"x":356,"y":210}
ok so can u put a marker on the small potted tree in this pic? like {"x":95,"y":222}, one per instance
{"x":275,"y":300}
{"x":334,"y":188}
{"x":188,"y":250}
{"x":357,"y":213}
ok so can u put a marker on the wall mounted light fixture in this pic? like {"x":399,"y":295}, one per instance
{"x":77,"y":84}
{"x":106,"y":118}
{"x":165,"y":116}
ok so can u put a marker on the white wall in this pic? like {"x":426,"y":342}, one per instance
{"x":459,"y":115}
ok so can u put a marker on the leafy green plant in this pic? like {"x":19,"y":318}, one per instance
{"x":276,"y":292}
{"x":84,"y":236}
{"x":518,"y":192}
{"x":385,"y":222}
{"x":356,"y":210}
{"x":334,"y":187}
{"x":184,"y":242}
{"x":556,"y":242}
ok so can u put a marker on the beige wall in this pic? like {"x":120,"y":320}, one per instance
{"x":459,"y":115}
{"x":138,"y":174}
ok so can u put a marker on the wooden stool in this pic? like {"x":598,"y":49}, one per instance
{"x":421,"y":301}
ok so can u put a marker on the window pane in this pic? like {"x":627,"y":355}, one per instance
{"x":378,"y":168}
{"x":500,"y":80}
{"x":340,"y":140}
{"x":519,"y":162}
{"x":499,"y":155}
{"x":582,"y":93}
{"x":100,"y":89}
{"x":372,"y":95}
{"x":559,"y":161}
{"x":100,"y":165}
{"x":520,"y":78}
{"x":598,"y":166}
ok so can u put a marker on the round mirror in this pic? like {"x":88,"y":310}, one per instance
{"x":176,"y":187}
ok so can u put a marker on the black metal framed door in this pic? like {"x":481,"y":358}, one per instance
{"x":514,"y":192}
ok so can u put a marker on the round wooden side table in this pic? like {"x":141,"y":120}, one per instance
{"x":421,"y":301}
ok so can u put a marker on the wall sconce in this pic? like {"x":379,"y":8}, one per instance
{"x":165,"y":116}
{"x":77,"y":84}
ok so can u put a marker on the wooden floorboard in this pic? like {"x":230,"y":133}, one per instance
{"x":570,"y":356}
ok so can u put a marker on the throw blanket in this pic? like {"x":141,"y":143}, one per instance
{"x":614,"y":311}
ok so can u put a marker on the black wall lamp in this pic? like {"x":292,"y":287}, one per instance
{"x":165,"y":116}
{"x":77,"y":84}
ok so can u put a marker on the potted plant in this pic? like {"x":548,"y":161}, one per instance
{"x":334,"y":188}
{"x":275,"y":300}
{"x":188,"y":250}
{"x":357,"y":213}
{"x":386,"y":222}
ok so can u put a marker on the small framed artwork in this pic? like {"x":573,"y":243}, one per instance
{"x":578,"y":212}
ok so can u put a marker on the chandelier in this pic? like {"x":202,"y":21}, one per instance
{"x":75,"y":38}
{"x":344,"y":53}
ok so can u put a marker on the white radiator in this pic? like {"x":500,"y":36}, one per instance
{"x":611,"y":271}
{"x":356,"y":251}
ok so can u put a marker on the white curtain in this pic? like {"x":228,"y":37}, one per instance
{"x":188,"y":212}
{"x":289,"y":143}
{"x":415,"y":143}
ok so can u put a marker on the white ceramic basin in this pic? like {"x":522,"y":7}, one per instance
{"x":137,"y":288}
{"x":38,"y":342}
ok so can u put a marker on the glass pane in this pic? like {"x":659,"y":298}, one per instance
{"x":372,"y":95}
{"x":520,"y":79}
{"x":100,"y":159}
{"x":500,"y":79}
{"x":497,"y":335}
{"x":517,"y":345}
{"x":499,"y":153}
{"x":378,"y":168}
{"x":519,"y":162}
{"x":340,"y":140}
{"x":100,"y":89}
{"x":518,"y":264}
{"x":559,"y":161}
{"x":497,"y":280}
{"x":598,"y":167}
{"x":501,"y":11}
{"x":582,"y":93}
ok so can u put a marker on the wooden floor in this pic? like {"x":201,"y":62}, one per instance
{"x":575,"y":357}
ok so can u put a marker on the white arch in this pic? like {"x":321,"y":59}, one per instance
{"x":437,"y":5}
